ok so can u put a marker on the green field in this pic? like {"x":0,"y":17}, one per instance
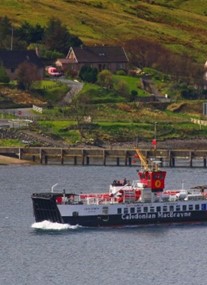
{"x":179,"y":25}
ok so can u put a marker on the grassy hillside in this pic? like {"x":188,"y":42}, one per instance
{"x":180,"y":25}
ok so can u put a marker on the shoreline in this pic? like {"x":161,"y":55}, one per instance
{"x":199,"y":144}
{"x":6,"y":160}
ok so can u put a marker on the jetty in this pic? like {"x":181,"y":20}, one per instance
{"x":105,"y":156}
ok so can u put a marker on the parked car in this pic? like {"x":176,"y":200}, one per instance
{"x":53,"y":71}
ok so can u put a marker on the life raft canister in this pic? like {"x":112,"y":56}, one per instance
{"x":158,"y":183}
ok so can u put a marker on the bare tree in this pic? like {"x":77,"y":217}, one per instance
{"x":27,"y":73}
{"x":81,"y":111}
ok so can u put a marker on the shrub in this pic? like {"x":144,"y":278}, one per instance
{"x":88,"y":74}
{"x":4,"y":78}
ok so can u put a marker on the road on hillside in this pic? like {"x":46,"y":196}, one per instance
{"x":75,"y":88}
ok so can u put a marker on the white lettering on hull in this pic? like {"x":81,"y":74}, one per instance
{"x":174,"y":215}
{"x":159,"y":215}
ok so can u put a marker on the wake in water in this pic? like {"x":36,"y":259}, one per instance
{"x":46,"y":225}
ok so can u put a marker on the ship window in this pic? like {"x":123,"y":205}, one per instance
{"x":197,"y":207}
{"x":204,"y":207}
{"x":171,"y":208}
{"x":145,"y":209}
{"x":125,"y":210}
{"x":158,"y":209}
{"x":105,"y":210}
{"x":164,"y":208}
{"x":139,"y":209}
{"x":119,"y":211}
{"x":178,"y":208}
{"x":132,"y":210}
{"x":152,"y":209}
{"x":75,"y":214}
{"x":184,"y":207}
{"x":190,"y":207}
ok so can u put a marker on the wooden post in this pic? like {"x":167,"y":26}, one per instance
{"x":87,"y":160}
{"x":104,"y":157}
{"x":130,"y":161}
{"x":62,"y":156}
{"x":83,"y":157}
{"x":41,"y":155}
{"x":46,"y":159}
{"x":204,"y":162}
{"x":172,"y":159}
{"x":161,"y":162}
{"x":117,"y":161}
{"x":20,"y":153}
{"x":191,"y":159}
{"x":125,"y":159}
{"x":75,"y":160}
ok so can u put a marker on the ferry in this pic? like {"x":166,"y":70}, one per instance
{"x":140,"y":202}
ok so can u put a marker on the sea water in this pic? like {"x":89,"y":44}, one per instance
{"x":51,"y":253}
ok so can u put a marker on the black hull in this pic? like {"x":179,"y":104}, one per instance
{"x":97,"y":221}
{"x":45,"y":208}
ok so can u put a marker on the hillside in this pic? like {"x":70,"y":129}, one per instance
{"x":181,"y":25}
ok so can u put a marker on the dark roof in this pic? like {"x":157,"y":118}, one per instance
{"x":12,"y":58}
{"x":97,"y":54}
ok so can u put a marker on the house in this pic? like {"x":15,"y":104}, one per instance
{"x":11,"y":60}
{"x":112,"y":58}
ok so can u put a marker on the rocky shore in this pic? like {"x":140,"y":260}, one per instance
{"x":191,"y":144}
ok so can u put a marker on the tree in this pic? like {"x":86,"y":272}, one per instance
{"x":88,"y":74}
{"x":57,"y":37}
{"x":5,"y":33}
{"x":105,"y":79}
{"x":80,"y":110}
{"x":30,"y":34}
{"x":121,"y":87}
{"x":4,"y":78}
{"x":27,"y":73}
{"x":133,"y":95}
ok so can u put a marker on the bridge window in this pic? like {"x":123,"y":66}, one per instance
{"x":164,"y":208}
{"x":152,"y":209}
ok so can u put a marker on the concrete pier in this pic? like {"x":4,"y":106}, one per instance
{"x":106,"y":157}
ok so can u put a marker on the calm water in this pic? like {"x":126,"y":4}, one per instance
{"x":140,"y":255}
